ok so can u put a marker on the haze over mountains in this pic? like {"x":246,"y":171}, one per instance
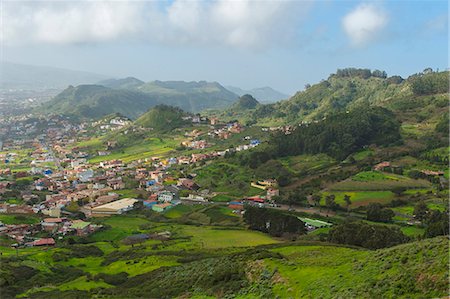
{"x":262,"y":94}
{"x":21,"y":76}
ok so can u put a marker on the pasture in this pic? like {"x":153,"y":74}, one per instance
{"x":377,"y":181}
{"x":360,"y":198}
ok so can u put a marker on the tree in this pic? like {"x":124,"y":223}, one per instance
{"x":366,"y":235}
{"x":420,"y":210}
{"x":437,"y":224}
{"x":316,"y":198}
{"x":398,"y":190}
{"x":347,"y":200}
{"x":330,"y":202}
{"x":376,"y":212}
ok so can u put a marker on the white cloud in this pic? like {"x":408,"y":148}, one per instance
{"x":242,"y":23}
{"x":364,"y":24}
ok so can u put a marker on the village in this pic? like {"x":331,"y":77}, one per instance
{"x":60,"y":185}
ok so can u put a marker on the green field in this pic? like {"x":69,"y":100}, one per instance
{"x":210,"y":237}
{"x":360,"y":198}
{"x":375,"y":180}
{"x":146,"y":149}
{"x":338,"y":272}
{"x":19,"y":219}
{"x":307,"y":163}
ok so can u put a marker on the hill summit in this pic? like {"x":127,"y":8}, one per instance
{"x":245,"y":102}
{"x":162,"y":118}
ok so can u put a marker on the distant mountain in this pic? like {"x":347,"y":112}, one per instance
{"x":245,"y":102}
{"x":262,"y":94}
{"x":124,"y":83}
{"x":190,"y":96}
{"x":20,"y":76}
{"x":162,"y":118}
{"x":93,"y":101}
{"x":132,"y":97}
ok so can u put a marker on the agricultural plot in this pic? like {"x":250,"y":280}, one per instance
{"x":360,"y":198}
{"x":146,"y":149}
{"x":211,"y":237}
{"x":374,"y":181}
{"x":307,"y":163}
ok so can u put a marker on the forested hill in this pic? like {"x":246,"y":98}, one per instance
{"x":94,"y":101}
{"x":351,"y":88}
{"x":133,"y":97}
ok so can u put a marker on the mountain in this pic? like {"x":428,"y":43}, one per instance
{"x":93,"y":101}
{"x":190,"y":96}
{"x":263,"y":94}
{"x":133,"y":97}
{"x":20,"y":76}
{"x":162,"y":118}
{"x":419,"y":96}
{"x":124,"y":83}
{"x":245,"y":102}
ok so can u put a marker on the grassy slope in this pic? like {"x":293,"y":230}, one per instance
{"x":416,"y":270}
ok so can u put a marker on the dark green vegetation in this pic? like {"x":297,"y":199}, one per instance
{"x":93,"y":101}
{"x":337,"y":136}
{"x":296,"y":270}
{"x":245,"y":102}
{"x":366,"y":235}
{"x":388,"y":219}
{"x":273,"y":222}
{"x":132,"y":97}
{"x":162,"y":118}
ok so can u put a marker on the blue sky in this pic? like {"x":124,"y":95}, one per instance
{"x":282,"y":44}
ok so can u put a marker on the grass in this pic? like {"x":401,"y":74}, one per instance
{"x":19,"y":219}
{"x":127,"y":193}
{"x":412,"y":231}
{"x":223,"y":198}
{"x":306,"y":163}
{"x":375,"y":180}
{"x":120,"y":227}
{"x":179,"y":210}
{"x":361,"y":155}
{"x":360,"y":198}
{"x":209,"y":237}
{"x":148,"y":148}
{"x":417,"y":270}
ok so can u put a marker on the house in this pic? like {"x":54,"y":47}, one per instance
{"x":82,"y":228}
{"x":255,"y":199}
{"x":265,"y":184}
{"x":113,"y":208}
{"x":165,"y":196}
{"x":236,"y":205}
{"x":149,"y":203}
{"x":188,"y":184}
{"x":271,"y":192}
{"x":161,"y":207}
{"x":43,"y":242}
{"x":381,"y":166}
{"x":51,"y":224}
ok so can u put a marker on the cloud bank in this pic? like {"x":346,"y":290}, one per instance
{"x":364,"y":24}
{"x":243,"y":23}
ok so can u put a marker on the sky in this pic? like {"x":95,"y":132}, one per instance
{"x":281,"y":44}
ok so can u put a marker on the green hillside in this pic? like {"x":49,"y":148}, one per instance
{"x":297,"y":270}
{"x":421,"y":96}
{"x":132,"y":97}
{"x":93,"y":101}
{"x":124,"y":83}
{"x":190,"y":96}
{"x":245,"y":102}
{"x":162,"y":118}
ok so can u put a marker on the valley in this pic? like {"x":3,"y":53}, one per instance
{"x":340,"y":191}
